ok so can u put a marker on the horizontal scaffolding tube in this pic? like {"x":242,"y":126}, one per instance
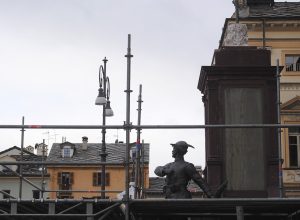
{"x":98,"y":201}
{"x":149,"y":126}
{"x":63,"y":126}
{"x":58,"y":163}
{"x":48,"y":215}
{"x":220,"y":202}
{"x":90,"y":191}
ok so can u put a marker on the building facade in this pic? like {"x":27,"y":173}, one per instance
{"x":276,"y":26}
{"x":85,"y":180}
{"x":10,"y":181}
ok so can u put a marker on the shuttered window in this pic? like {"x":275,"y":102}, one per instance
{"x":97,"y":179}
{"x":65,"y":178}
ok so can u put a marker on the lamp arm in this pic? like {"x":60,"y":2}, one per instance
{"x":108,"y":88}
{"x":101,"y":70}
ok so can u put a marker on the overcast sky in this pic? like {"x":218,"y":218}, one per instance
{"x":50,"y":52}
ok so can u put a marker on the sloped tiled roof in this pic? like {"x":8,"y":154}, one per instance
{"x":16,"y":148}
{"x":116,"y":153}
{"x":27,"y":170}
{"x":156,"y":185}
{"x":277,"y":10}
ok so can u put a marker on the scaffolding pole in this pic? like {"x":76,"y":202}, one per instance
{"x":127,"y":127}
{"x":130,"y":126}
{"x":280,"y":185}
{"x":138,"y":146}
{"x":21,"y":166}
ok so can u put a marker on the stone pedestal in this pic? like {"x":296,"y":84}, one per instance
{"x":241,"y":89}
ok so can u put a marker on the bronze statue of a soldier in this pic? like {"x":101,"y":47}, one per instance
{"x":179,"y":173}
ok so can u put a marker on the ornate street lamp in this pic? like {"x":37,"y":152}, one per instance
{"x":103,"y":99}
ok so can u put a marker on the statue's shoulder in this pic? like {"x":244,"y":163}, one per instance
{"x":169,"y":164}
{"x":190,"y":165}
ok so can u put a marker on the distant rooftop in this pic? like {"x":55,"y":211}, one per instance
{"x":276,"y":10}
{"x":156,"y":185}
{"x":27,"y":170}
{"x":116,"y":153}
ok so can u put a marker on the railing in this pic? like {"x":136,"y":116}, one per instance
{"x":293,"y":67}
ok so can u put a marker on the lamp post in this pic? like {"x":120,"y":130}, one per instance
{"x":103,"y":99}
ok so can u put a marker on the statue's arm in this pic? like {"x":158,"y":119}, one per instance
{"x":162,"y":170}
{"x":159,"y":171}
{"x":197,"y":178}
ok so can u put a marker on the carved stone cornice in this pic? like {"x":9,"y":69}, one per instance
{"x":290,"y":86}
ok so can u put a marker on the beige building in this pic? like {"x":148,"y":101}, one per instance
{"x":276,"y":27}
{"x":85,"y":180}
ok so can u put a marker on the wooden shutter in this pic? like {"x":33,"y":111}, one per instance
{"x":71,"y":178}
{"x":107,"y":179}
{"x":59,"y":179}
{"x":95,"y":177}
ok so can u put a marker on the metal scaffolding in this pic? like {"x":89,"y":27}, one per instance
{"x":90,"y":209}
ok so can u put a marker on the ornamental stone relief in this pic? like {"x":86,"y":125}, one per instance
{"x":291,"y":176}
{"x":236,"y":35}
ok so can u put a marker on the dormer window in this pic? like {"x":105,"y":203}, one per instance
{"x":67,"y":149}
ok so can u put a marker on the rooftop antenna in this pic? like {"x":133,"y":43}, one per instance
{"x":48,"y":136}
{"x":63,"y":139}
{"x":54,"y":135}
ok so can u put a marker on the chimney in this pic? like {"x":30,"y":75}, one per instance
{"x":39,"y":149}
{"x":30,"y":149}
{"x":84,"y":143}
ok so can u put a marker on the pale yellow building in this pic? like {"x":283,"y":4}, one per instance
{"x":276,"y":27}
{"x":79,"y":178}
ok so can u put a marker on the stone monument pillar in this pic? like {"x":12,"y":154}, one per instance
{"x":240,"y":88}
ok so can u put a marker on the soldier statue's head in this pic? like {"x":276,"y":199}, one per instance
{"x":180,"y":148}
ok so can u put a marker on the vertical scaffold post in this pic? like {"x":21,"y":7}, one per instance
{"x":13,"y":208}
{"x":127,"y":127}
{"x":138,"y":148}
{"x":43,"y":170}
{"x":51,"y":208}
{"x":239,"y":213}
{"x":89,"y":210}
{"x":279,"y":131}
{"x":21,"y":166}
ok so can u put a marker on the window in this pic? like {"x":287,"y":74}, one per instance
{"x":66,"y":152}
{"x":97,"y":179}
{"x":294,"y":147}
{"x":292,"y":63}
{"x":4,"y":195}
{"x":65,"y":178}
{"x":35,"y":194}
{"x":65,"y":181}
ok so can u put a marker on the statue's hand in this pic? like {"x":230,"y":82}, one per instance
{"x":221,"y":189}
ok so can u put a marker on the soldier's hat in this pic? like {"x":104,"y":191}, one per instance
{"x":182,"y":145}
